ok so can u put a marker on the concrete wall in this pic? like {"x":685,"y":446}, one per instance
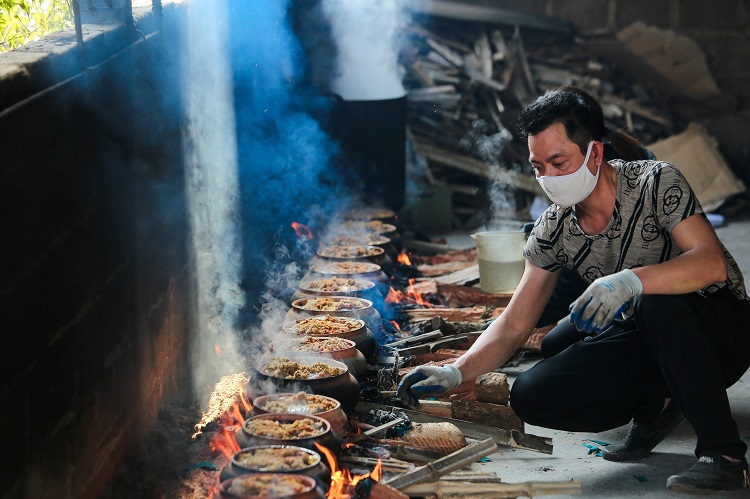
{"x":94,"y":281}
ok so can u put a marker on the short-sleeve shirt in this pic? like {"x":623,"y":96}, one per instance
{"x":652,"y":198}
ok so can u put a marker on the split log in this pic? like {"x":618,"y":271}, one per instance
{"x":465,"y":314}
{"x":461,"y":296}
{"x":442,"y":438}
{"x":500,"y":416}
{"x":493,"y":388}
{"x":439,"y":408}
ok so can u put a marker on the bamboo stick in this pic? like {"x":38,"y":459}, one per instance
{"x":443,"y":488}
{"x":469,"y":454}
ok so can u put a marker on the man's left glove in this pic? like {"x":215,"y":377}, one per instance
{"x":596,"y":308}
{"x":427,"y":379}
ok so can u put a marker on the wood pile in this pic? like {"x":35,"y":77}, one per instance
{"x":467,"y":82}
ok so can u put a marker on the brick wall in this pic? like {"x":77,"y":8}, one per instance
{"x":94,"y":283}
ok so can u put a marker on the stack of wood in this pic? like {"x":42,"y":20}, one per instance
{"x":468,"y":81}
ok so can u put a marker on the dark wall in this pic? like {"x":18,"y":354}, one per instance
{"x":93,"y":281}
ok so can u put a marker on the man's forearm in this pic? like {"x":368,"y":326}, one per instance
{"x":491,"y":350}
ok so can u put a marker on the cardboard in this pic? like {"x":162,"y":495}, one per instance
{"x":678,"y":58}
{"x":696,"y":155}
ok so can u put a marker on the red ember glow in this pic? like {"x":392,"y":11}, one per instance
{"x":302,"y":230}
{"x":395,"y":324}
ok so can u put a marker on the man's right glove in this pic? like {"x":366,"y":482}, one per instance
{"x":427,"y":379}
{"x":596,"y":309}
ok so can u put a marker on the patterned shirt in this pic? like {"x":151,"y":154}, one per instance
{"x":652,"y":198}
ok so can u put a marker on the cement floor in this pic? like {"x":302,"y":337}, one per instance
{"x":604,"y":479}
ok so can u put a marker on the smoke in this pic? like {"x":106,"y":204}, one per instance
{"x":258,"y":159}
{"x":488,"y":146}
{"x":210,"y":153}
{"x":366,"y":35}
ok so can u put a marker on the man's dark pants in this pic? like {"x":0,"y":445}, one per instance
{"x":688,"y":347}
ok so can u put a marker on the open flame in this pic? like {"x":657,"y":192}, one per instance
{"x":395,"y":324}
{"x":224,"y":441}
{"x":302,"y":230}
{"x":342,"y":483}
{"x":217,"y":349}
{"x":403,"y":258}
{"x":412,"y":295}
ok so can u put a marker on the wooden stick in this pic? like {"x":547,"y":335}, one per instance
{"x":375,"y":431}
{"x":416,"y":339}
{"x":444,"y":488}
{"x":431,"y":471}
{"x":394,"y":464}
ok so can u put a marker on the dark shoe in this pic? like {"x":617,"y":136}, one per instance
{"x":711,"y":473}
{"x":645,"y":435}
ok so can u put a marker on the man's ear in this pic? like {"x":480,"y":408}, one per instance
{"x":597,"y":151}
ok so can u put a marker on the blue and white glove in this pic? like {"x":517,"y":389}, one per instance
{"x":596,"y":308}
{"x":427,"y":379}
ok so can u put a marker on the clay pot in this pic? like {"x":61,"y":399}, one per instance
{"x":335,"y":417}
{"x":367,"y":271}
{"x":311,"y":491}
{"x":350,"y":355}
{"x":342,"y":387}
{"x":318,"y":469}
{"x":358,"y":308}
{"x":362,"y":288}
{"x":247,"y":439}
{"x":363,"y":339}
{"x":374,"y":254}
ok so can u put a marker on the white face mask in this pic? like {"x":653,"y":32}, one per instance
{"x":569,"y":190}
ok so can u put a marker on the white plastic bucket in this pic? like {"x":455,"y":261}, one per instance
{"x":501,"y":261}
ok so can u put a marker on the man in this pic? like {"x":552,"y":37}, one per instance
{"x":662,"y":307}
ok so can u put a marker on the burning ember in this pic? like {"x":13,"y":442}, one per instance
{"x":224,"y":440}
{"x":343,"y":485}
{"x":411,"y":295}
{"x":228,"y":395}
{"x":302,"y":230}
{"x":395,"y":324}
{"x":404,"y":258}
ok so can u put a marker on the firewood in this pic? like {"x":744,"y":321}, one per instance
{"x":457,"y":296}
{"x":445,"y":465}
{"x":464,"y":255}
{"x":439,"y":408}
{"x":442,"y":268}
{"x":444,"y":488}
{"x":383,"y":491}
{"x":466,"y":314}
{"x":464,"y":276}
{"x":493,"y":388}
{"x":500,"y":416}
{"x":442,"y":438}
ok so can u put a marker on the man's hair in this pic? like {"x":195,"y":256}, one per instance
{"x":576,"y":110}
{"x":582,"y":117}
